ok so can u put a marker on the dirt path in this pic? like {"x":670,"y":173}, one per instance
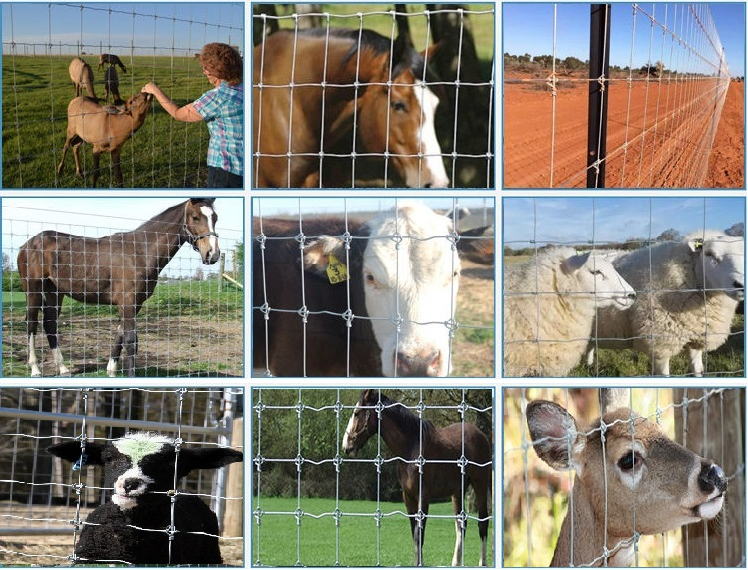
{"x":658,"y":135}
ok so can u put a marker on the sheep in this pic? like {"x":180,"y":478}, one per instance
{"x":106,"y":128}
{"x":81,"y":75}
{"x":112,"y":60}
{"x":687,"y":293}
{"x":134,"y":526}
{"x":549,"y":308}
{"x":111,"y":85}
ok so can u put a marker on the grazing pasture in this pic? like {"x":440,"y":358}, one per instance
{"x":164,"y":153}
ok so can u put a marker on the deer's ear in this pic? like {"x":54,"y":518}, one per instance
{"x":554,"y":432}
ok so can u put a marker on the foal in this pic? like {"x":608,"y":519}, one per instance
{"x":434,"y":463}
{"x":121,"y":269}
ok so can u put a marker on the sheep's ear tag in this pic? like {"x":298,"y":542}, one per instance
{"x":80,"y":463}
{"x":698,"y":244}
{"x":337,"y":272}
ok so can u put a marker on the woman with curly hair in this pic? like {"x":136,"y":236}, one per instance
{"x":222,"y":108}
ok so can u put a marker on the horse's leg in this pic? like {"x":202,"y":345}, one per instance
{"x":457,"y":505}
{"x":33,"y":305}
{"x":52,"y":306}
{"x":411,"y":505}
{"x":481,"y":488}
{"x":111,"y":367}
{"x":96,"y":155}
{"x":129,"y":338}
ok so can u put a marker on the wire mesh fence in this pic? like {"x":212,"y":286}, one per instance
{"x":153,"y":43}
{"x":635,"y":287}
{"x":322,"y":495}
{"x":184,"y":307}
{"x":537,"y":498}
{"x":348,"y":287}
{"x":46,"y":501}
{"x":323,"y":80}
{"x":665,"y":89}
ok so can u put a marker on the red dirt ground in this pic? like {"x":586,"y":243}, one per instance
{"x":667,"y":127}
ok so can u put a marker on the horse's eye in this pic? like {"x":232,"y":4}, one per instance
{"x":399,"y":106}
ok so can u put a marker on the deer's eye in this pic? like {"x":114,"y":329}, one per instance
{"x":632,"y":460}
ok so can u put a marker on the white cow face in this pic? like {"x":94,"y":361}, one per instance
{"x":411,"y":276}
{"x":722,"y":260}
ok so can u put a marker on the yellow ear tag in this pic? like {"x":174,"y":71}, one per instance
{"x":337,"y":272}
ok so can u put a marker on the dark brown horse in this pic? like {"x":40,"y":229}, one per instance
{"x":440,"y":451}
{"x":312,"y":88}
{"x":121,"y":269}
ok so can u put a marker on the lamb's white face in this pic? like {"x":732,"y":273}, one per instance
{"x":136,"y":463}
{"x":410,"y":289}
{"x":722,"y":261}
{"x":597,"y":276}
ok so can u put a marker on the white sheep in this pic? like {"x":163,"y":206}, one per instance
{"x":549,"y":307}
{"x":142,"y":469}
{"x":687,"y":293}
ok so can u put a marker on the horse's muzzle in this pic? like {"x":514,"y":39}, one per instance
{"x":211,"y":256}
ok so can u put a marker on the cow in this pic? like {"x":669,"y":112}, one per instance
{"x":372,"y":298}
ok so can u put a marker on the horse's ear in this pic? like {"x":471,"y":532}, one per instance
{"x":208,"y":201}
{"x":399,"y":48}
{"x":432,"y":51}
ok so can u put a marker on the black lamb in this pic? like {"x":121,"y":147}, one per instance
{"x":134,"y":526}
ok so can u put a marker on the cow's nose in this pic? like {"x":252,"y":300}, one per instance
{"x":423,"y":364}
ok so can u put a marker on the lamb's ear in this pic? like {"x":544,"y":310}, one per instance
{"x":574,"y":263}
{"x":696,"y":244}
{"x":71,"y":451}
{"x":206,"y":458}
{"x":555,"y":434}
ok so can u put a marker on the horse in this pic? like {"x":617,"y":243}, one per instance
{"x":121,"y":269}
{"x":429,"y":463}
{"x":311,"y":88}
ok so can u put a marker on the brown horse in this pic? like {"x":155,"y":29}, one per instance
{"x":121,"y":269}
{"x":434,"y":463}
{"x":318,"y":89}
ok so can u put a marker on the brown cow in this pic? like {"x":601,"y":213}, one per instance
{"x":402,"y":295}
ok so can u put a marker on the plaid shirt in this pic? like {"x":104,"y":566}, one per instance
{"x":223,"y":111}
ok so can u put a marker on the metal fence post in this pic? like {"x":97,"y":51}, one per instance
{"x":597,"y":121}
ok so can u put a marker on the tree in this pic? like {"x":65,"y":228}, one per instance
{"x":7,"y":263}
{"x":669,"y":235}
{"x":736,"y":230}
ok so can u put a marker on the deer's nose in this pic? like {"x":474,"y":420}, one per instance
{"x":712,"y":477}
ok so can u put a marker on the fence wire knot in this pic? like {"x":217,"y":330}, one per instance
{"x":299,"y":461}
{"x":265,"y":310}
{"x":258,"y":461}
{"x":601,"y":81}
{"x":550,"y":81}
{"x":348,"y":318}
{"x":303,"y":312}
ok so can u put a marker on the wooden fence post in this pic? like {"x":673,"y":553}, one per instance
{"x":721,"y":541}
{"x":233,"y":518}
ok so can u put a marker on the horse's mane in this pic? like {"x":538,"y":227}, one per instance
{"x":369,"y":39}
{"x":171,"y":215}
{"x":407,"y":420}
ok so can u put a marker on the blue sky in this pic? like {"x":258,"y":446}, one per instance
{"x":605,"y":220}
{"x":179,"y":28}
{"x":306,"y":206}
{"x":96,"y":217}
{"x":528,"y":28}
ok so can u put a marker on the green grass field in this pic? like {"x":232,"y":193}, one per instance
{"x":164,"y":153}
{"x":277,"y":539}
{"x":482,"y":23}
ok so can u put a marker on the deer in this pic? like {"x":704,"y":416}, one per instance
{"x":653,"y":483}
